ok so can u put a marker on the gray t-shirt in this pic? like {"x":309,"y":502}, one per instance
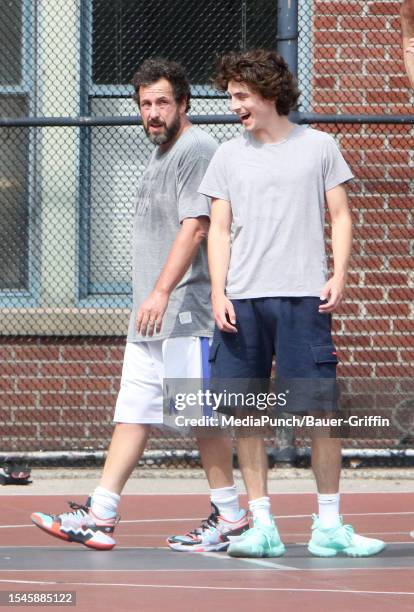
{"x":167,"y":194}
{"x":277,"y":197}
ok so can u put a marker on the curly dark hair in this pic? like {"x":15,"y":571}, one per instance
{"x":266,"y":73}
{"x":154,"y":69}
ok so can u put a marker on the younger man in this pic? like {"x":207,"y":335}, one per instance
{"x":268,"y":272}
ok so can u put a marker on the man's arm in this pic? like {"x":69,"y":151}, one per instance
{"x":180,"y":257}
{"x":218,"y":263}
{"x":337,"y":201}
{"x":407,"y":26}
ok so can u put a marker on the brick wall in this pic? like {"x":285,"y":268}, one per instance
{"x":60,"y":393}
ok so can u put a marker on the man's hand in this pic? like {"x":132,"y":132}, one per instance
{"x":223,"y":311}
{"x":333,"y":291}
{"x":151,"y":312}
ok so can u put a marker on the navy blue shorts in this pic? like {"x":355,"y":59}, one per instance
{"x":292,"y":330}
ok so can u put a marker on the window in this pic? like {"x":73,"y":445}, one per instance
{"x":14,"y":148}
{"x":122,"y":33}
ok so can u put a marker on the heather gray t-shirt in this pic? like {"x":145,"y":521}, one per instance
{"x":167,"y":194}
{"x":277,"y":196}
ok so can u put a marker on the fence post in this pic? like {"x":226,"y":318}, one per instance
{"x":287,"y":33}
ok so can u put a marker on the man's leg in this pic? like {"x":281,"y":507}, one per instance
{"x":139,"y":399}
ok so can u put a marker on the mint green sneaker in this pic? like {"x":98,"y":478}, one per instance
{"x":259,"y":541}
{"x":341,"y":539}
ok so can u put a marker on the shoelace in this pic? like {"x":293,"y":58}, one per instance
{"x":211,"y":521}
{"x":78,"y":511}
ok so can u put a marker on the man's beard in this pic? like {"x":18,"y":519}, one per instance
{"x":170,"y":131}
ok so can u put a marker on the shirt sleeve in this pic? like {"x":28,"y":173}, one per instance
{"x":335,"y":169}
{"x":215,"y":183}
{"x":190,"y":202}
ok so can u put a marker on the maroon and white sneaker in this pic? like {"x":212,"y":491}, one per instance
{"x":213,"y":534}
{"x":79,"y":525}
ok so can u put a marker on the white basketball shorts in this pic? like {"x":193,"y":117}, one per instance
{"x":146,"y":364}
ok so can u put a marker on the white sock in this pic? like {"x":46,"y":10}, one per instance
{"x":104,"y":503}
{"x":260,"y":509}
{"x":227,"y":501}
{"x":328,"y":509}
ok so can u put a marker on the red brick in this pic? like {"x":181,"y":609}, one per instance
{"x":105,"y":369}
{"x":36,"y":384}
{"x":384,"y":67}
{"x":84,"y":353}
{"x":367,"y":171}
{"x":401,"y":202}
{"x":373,"y":142}
{"x":323,"y":53}
{"x":386,"y":97}
{"x":407,"y":356}
{"x":360,"y":52}
{"x":376,"y":356}
{"x":116,"y":354}
{"x":384,"y":8}
{"x":6,"y":415}
{"x":398,"y":172}
{"x":372,"y":232}
{"x":64,"y":369}
{"x":364,"y":294}
{"x":366,"y":201}
{"x":325,"y":22}
{"x":38,"y":415}
{"x":67,"y":430}
{"x":403,"y":294}
{"x":348,"y":309}
{"x":387,"y":187}
{"x":397,"y":340}
{"x":388,"y":157}
{"x":386,"y":217}
{"x":404,"y":325}
{"x":7,"y":384}
{"x":402,"y":233}
{"x":398,"y":82}
{"x":6,"y":353}
{"x":336,"y":37}
{"x":368,"y":325}
{"x":101,"y":399}
{"x":19,"y":431}
{"x":369,"y":385}
{"x":401,"y":142}
{"x":395,"y":370}
{"x":62,"y":399}
{"x":389,"y":247}
{"x":38,"y":353}
{"x":354,"y":370}
{"x":324,"y":82}
{"x":352,"y":340}
{"x":338,"y":97}
{"x":402,"y":263}
{"x":407,"y":385}
{"x":385,"y":310}
{"x":340,"y":66}
{"x":17,"y":399}
{"x":90,"y":414}
{"x":89,"y":384}
{"x":363,"y":23}
{"x":20,"y":369}
{"x":385,"y":278}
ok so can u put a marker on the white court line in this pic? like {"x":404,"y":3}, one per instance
{"x":209,"y":588}
{"x":277,"y":516}
{"x":259,"y":562}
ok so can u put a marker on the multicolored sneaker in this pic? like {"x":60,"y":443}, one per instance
{"x":213,"y":534}
{"x":79,"y":525}
{"x":341,"y":539}
{"x":259,"y":541}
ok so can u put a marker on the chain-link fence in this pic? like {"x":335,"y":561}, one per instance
{"x":67,"y":190}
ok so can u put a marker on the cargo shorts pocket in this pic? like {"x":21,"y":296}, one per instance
{"x":324,"y":353}
{"x":212,"y":355}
